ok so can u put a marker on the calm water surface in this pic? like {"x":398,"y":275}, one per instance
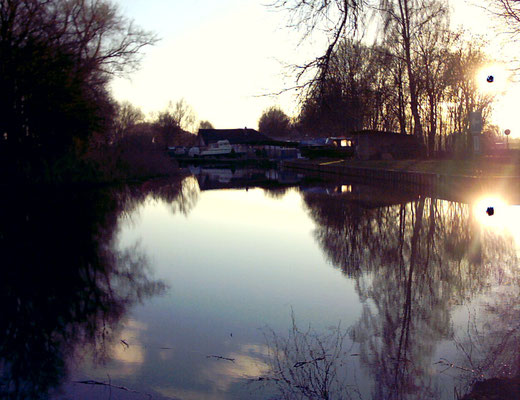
{"x":311,"y":291}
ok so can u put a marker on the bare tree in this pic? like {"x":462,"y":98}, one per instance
{"x":433,"y":55}
{"x":57,"y":58}
{"x":127,"y":116}
{"x":407,"y":18}
{"x":335,"y":18}
{"x":94,"y":30}
{"x":463,"y":94}
{"x":340,"y":18}
{"x":509,"y":12}
{"x":507,"y":16}
{"x":183,"y":114}
{"x":174,"y":119}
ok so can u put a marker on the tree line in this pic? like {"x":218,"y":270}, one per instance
{"x":58,"y":120}
{"x":418,"y":76}
{"x":57,"y":57}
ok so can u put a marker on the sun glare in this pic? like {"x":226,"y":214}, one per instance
{"x":493,"y":79}
{"x":491,"y":211}
{"x":494,"y":213}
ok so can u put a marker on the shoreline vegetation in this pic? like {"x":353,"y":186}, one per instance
{"x":60,"y":125}
{"x":58,"y":121}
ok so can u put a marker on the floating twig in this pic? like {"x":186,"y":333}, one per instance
{"x":221,"y":358}
{"x":92,"y":382}
{"x":264,"y":378}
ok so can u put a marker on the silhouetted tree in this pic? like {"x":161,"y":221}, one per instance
{"x":335,"y":18}
{"x":434,"y":42}
{"x":274,"y":122}
{"x":406,"y":18}
{"x":463,"y":94}
{"x":406,"y":82}
{"x":508,"y":12}
{"x":358,"y":92}
{"x":56,"y":59}
{"x":183,"y":114}
{"x":127,"y":116}
{"x":174,"y":119}
{"x":206,"y":125}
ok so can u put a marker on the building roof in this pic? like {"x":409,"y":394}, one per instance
{"x":234,"y":136}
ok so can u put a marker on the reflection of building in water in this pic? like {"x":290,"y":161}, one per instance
{"x":225,"y":178}
{"x":364,"y":195}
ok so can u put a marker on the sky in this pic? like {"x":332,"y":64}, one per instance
{"x":225,"y":57}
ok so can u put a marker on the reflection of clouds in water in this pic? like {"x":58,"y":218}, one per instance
{"x":255,"y":348}
{"x":224,"y":373}
{"x":131,"y":354}
{"x":129,"y":359}
{"x":221,"y":374}
{"x":166,"y":354}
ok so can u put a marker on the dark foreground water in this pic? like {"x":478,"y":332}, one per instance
{"x":300,"y":291}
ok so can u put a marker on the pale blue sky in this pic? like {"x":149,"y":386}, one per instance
{"x":170,"y":17}
{"x":220,"y":55}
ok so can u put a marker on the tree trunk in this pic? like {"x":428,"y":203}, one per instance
{"x":414,"y":101}
{"x":433,"y":125}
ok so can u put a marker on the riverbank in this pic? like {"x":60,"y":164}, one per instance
{"x":445,"y":178}
{"x":473,"y":168}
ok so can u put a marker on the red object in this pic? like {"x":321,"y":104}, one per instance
{"x":507,"y":132}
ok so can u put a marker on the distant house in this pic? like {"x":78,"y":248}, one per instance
{"x":379,"y":145}
{"x":233,"y":136}
{"x":341,"y":141}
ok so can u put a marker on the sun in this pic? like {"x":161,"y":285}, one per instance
{"x":489,"y":211}
{"x":493,"y":79}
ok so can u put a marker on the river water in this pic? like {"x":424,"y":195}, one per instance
{"x":256,"y":284}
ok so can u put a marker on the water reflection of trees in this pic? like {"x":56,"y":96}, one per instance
{"x":411,"y":263}
{"x":63,"y":284}
{"x":488,"y":349}
{"x":308,"y":365}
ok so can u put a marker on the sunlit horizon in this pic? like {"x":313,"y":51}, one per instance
{"x":226,"y":59}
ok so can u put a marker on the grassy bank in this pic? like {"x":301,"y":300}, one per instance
{"x":485,"y":166}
